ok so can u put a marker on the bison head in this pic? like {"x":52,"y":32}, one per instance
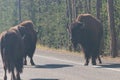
{"x":75,"y":29}
{"x":76,"y":33}
{"x":22,"y":30}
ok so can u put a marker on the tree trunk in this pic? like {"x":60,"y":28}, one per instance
{"x":19,"y":11}
{"x":72,"y":2}
{"x":89,"y":6}
{"x":111,"y":24}
{"x":85,"y":6}
{"x":98,"y":7}
{"x":68,"y":11}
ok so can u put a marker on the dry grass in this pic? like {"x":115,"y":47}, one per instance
{"x":110,"y":59}
{"x":62,"y":51}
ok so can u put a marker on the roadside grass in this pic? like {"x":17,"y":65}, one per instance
{"x":63,"y":51}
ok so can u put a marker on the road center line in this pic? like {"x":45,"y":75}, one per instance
{"x":68,"y":61}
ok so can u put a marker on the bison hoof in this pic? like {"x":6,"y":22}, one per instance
{"x":5,"y":78}
{"x":93,"y":63}
{"x":86,"y":64}
{"x":100,"y":62}
{"x":32,"y":63}
{"x":25,"y":63}
{"x":18,"y":78}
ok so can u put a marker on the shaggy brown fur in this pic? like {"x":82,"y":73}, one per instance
{"x":87,"y":31}
{"x":12,"y":52}
{"x":30,"y":40}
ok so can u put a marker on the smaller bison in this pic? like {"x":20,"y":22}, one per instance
{"x":29,"y":40}
{"x":12,"y":52}
{"x":87,"y":31}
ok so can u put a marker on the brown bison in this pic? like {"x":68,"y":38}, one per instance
{"x":29,"y":40}
{"x":87,"y":31}
{"x":12,"y":52}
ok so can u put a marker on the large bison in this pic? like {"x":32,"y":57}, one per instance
{"x":30,"y":40}
{"x":87,"y":31}
{"x":12,"y":52}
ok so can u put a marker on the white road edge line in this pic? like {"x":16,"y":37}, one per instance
{"x":53,"y":58}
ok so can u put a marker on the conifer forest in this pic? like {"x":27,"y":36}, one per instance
{"x":51,"y":18}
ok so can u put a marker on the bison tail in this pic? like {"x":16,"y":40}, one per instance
{"x":7,"y":61}
{"x":19,"y":65}
{"x":11,"y":62}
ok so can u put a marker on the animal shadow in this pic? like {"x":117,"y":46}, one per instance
{"x":111,"y":65}
{"x":53,"y":66}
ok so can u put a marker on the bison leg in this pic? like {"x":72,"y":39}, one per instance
{"x":31,"y":61}
{"x":5,"y":75}
{"x":13,"y":75}
{"x":87,"y":56}
{"x":93,"y":60}
{"x":25,"y":61}
{"x":18,"y":76}
{"x":99,"y":60}
{"x":30,"y":55}
{"x":74,"y":45}
{"x":87,"y":62}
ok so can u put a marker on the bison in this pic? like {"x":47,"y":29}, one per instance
{"x":87,"y":31}
{"x":12,"y":52}
{"x":30,"y":40}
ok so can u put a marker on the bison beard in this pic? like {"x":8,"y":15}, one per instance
{"x":87,"y":31}
{"x":12,"y":52}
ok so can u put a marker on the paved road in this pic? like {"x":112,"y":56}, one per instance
{"x":52,"y":65}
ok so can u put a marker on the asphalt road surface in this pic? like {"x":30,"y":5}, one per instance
{"x":53,"y":65}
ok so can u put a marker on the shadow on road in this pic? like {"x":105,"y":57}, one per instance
{"x":43,"y":79}
{"x":52,"y":66}
{"x":111,"y":65}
